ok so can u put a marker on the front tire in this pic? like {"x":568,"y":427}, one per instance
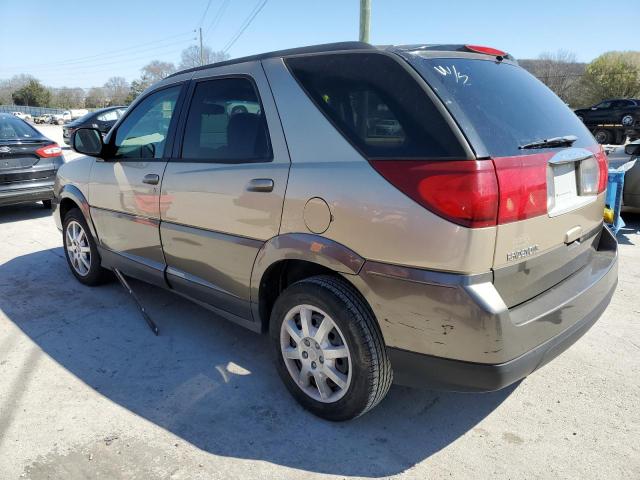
{"x":329,"y":349}
{"x":81,"y":250}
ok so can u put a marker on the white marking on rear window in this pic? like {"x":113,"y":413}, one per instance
{"x":446,"y":70}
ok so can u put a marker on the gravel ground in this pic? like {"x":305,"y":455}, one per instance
{"x":88,"y":392}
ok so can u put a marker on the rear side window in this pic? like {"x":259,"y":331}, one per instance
{"x":226,"y":123}
{"x":110,"y":116}
{"x":377,"y":105}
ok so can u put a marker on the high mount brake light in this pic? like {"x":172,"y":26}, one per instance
{"x":48,"y":151}
{"x":486,"y":50}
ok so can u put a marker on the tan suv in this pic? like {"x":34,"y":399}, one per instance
{"x":431,"y":214}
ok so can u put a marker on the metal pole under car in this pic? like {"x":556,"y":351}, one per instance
{"x":126,"y":286}
{"x":365,"y":18}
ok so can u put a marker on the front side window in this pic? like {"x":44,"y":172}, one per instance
{"x":377,"y":105}
{"x":226,"y":123}
{"x":143,"y":133}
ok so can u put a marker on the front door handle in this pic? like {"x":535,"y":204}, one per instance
{"x":260,"y":185}
{"x":151,"y":179}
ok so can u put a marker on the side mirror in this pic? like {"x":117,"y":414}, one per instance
{"x":88,"y":141}
{"x":632,"y":149}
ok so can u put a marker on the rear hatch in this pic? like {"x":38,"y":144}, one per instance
{"x":551,"y":173}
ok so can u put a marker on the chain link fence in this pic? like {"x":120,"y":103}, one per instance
{"x":33,"y":111}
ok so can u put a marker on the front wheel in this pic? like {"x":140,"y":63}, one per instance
{"x":329,"y":349}
{"x":81,"y":251}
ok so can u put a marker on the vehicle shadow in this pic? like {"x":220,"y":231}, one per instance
{"x":212,"y":383}
{"x":23,"y":211}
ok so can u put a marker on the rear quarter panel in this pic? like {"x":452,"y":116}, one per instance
{"x":368,"y":215}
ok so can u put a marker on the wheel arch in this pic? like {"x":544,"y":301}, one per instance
{"x":288,"y":258}
{"x":70,"y":197}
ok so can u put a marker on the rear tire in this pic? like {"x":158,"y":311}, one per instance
{"x":81,"y":250}
{"x":350,"y":350}
{"x":602,"y":136}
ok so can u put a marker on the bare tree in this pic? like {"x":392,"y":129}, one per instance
{"x":116,"y":89}
{"x":96,"y":98}
{"x":156,"y":70}
{"x":10,"y":85}
{"x":191,"y":56}
{"x":66,"y":97}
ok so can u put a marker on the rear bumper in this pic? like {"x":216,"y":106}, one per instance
{"x":26,"y":195}
{"x":456,"y":332}
{"x":415,"y":369}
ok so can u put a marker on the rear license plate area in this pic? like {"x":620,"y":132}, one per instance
{"x":563,"y":194}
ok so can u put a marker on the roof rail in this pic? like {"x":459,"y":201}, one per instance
{"x":326,"y":47}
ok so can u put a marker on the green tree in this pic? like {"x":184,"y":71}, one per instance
{"x":613,"y":75}
{"x":32,"y":94}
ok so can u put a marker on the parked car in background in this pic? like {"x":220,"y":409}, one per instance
{"x":631,"y":192}
{"x":45,"y":118}
{"x":611,"y":121}
{"x":69,"y":115}
{"x":22,"y":115}
{"x":102,"y":119}
{"x":28,"y":163}
{"x":457,"y":244}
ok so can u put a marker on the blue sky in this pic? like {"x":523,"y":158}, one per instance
{"x":82,"y":43}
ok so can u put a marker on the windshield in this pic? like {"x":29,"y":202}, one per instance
{"x":12,"y":128}
{"x":499,"y":106}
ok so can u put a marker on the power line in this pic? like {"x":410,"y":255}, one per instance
{"x":259,"y":6}
{"x":216,"y":19}
{"x":205,"y":13}
{"x":113,"y":53}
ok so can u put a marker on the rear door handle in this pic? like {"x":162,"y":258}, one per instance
{"x":151,"y":179}
{"x":260,"y":185}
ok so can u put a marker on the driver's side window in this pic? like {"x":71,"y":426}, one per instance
{"x":603,"y":105}
{"x":143,"y":133}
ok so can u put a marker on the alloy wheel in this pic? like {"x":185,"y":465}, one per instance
{"x":315,"y":353}
{"x":78,"y":249}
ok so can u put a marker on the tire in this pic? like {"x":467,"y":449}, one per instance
{"x":627,"y":120}
{"x":364,"y":374}
{"x":602,"y":136}
{"x":88,"y":272}
{"x":46,"y":204}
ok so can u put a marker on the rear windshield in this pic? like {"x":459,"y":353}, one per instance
{"x":12,"y":128}
{"x":377,"y":105}
{"x":499,"y":105}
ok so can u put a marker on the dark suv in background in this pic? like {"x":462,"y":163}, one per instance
{"x":102,"y":119}
{"x":28,"y":163}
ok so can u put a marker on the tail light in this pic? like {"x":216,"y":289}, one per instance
{"x":462,"y":191}
{"x":484,"y":193}
{"x":603,"y":166}
{"x":522,"y":181}
{"x":52,"y":150}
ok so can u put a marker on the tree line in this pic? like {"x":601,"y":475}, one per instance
{"x":611,"y":75}
{"x":24,"y":89}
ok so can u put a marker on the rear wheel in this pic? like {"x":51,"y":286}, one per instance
{"x":627,"y":120}
{"x":81,"y":251}
{"x":329,"y":349}
{"x":602,"y":136}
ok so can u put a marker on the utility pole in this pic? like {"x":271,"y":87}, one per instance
{"x":201,"y":52}
{"x":365,"y":17}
